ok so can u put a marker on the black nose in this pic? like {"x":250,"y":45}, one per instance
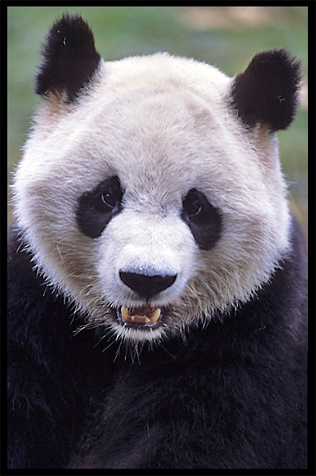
{"x":146,"y":286}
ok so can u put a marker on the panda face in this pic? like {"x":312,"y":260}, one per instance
{"x":148,"y":202}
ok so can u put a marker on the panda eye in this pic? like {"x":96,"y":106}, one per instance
{"x":192,"y":204}
{"x":110,"y":196}
{"x":109,"y":199}
{"x":202,"y":218}
{"x":96,"y":208}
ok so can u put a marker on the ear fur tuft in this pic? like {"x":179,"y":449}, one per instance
{"x":266,"y":92}
{"x":70,"y":58}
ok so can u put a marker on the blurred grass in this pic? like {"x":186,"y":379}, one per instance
{"x":224,"y":36}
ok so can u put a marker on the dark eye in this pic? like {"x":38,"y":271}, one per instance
{"x":96,"y":208}
{"x":203,"y":219}
{"x":109,"y":199}
{"x":110,"y":196}
{"x":193,"y":204}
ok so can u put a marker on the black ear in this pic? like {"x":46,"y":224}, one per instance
{"x":70,"y":58}
{"x":266,"y":92}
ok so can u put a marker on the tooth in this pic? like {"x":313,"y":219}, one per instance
{"x":154,"y":316}
{"x":150,"y":318}
{"x":125,"y":313}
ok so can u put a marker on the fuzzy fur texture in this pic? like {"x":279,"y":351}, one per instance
{"x":220,"y":383}
{"x":159,"y":153}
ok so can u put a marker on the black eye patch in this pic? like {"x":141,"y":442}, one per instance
{"x":202,"y":218}
{"x":97,"y":207}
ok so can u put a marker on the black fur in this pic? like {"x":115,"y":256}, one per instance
{"x":233,"y":395}
{"x":96,"y":208}
{"x":70,"y":58}
{"x":266,"y":92}
{"x":230,"y":395}
{"x":204,"y":220}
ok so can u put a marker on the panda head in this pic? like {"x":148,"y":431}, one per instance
{"x":150,"y":190}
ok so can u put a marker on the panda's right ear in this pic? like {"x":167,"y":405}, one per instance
{"x":70,"y":58}
{"x":267,"y":91}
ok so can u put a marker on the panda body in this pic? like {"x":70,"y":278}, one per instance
{"x":157,"y":279}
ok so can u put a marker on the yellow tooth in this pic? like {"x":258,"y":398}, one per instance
{"x":154,"y":316}
{"x":125,"y":313}
{"x":150,"y":318}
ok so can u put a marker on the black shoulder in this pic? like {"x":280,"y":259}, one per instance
{"x":266,"y":92}
{"x":41,"y":360}
{"x":70,"y":58}
{"x":282,"y":304}
{"x":32,"y":307}
{"x":21,"y":278}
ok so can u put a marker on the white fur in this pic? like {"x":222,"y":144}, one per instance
{"x":164,"y":125}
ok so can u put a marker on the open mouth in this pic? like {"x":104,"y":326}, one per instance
{"x":145,"y":317}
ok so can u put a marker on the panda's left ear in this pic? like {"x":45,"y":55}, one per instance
{"x":70,"y":58}
{"x":267,"y":91}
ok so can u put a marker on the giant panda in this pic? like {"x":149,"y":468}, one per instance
{"x":156,"y":276}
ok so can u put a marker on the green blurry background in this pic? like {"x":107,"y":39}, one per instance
{"x":226,"y":37}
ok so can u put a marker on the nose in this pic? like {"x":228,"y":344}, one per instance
{"x":147,"y":286}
